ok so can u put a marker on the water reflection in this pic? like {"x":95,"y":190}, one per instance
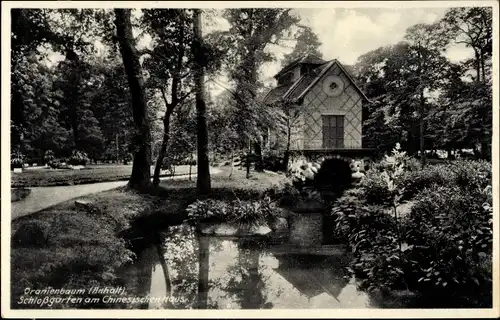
{"x":241,"y":274}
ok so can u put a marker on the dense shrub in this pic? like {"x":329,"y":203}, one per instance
{"x":471,"y":175}
{"x":415,"y":181}
{"x":16,"y":160}
{"x":372,"y":234}
{"x":49,"y":157}
{"x":78,"y":158}
{"x":442,"y":247}
{"x":294,"y":196}
{"x":374,"y":188}
{"x":241,"y":212}
{"x":450,"y":233}
{"x":273,"y":162}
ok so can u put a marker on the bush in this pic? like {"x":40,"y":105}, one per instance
{"x":290,"y":195}
{"x":442,"y":248}
{"x":472,"y":175}
{"x":78,"y":158}
{"x":18,"y":194}
{"x":467,"y":174}
{"x":372,"y":234}
{"x":374,"y":188}
{"x":49,"y":157}
{"x":16,"y":160}
{"x":450,"y":235}
{"x":241,"y":212}
{"x":30,"y":235}
{"x":415,"y":181}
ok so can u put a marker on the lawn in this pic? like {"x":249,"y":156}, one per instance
{"x":76,"y":248}
{"x":90,"y":174}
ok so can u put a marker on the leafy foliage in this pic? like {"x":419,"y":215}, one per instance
{"x":307,"y":42}
{"x":78,"y":158}
{"x":245,"y":213}
{"x":441,"y":247}
{"x":412,"y":81}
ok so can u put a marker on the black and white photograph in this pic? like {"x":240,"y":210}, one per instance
{"x":291,"y":157}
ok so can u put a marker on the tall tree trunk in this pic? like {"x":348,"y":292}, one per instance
{"x":203,"y":177}
{"x":190,"y":164}
{"x":422,"y":126}
{"x":231,"y":164}
{"x":483,"y":72}
{"x":286,"y":158}
{"x":248,"y":159}
{"x":140,"y":178}
{"x":259,"y":163}
{"x":478,"y":65}
{"x":163,"y":149}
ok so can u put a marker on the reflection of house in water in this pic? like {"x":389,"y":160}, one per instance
{"x":311,"y":275}
{"x":241,"y":276}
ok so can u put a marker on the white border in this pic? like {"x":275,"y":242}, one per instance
{"x":316,"y":313}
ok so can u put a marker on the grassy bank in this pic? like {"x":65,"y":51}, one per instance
{"x":91,"y":174}
{"x":67,"y":247}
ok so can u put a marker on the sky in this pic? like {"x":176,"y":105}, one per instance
{"x":346,"y":33}
{"x":349,"y":33}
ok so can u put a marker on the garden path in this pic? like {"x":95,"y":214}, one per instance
{"x":45,"y":197}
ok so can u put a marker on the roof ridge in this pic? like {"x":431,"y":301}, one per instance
{"x":329,"y":64}
{"x":297,"y":61}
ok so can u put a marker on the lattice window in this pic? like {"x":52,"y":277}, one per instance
{"x":333,"y":131}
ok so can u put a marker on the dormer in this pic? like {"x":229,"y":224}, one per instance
{"x":294,"y":70}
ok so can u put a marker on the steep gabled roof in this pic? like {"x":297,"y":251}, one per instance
{"x":295,"y":91}
{"x":306,"y":59}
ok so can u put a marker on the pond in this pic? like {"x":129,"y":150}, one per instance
{"x":239,"y":273}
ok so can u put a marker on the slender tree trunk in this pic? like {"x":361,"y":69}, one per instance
{"x":478,"y":65}
{"x":140,"y":178}
{"x":117,"y":150}
{"x":422,"y":126}
{"x":259,"y":163}
{"x":163,"y":149}
{"x":232,"y":164}
{"x":483,"y":72}
{"x":248,"y":158}
{"x":203,"y":176}
{"x":190,"y":165}
{"x":286,"y":158}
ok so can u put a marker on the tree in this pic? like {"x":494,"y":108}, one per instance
{"x":140,"y":178}
{"x":472,"y":26}
{"x":30,"y":30}
{"x":203,"y":178}
{"x":426,"y":48}
{"x":399,"y":79}
{"x":168,"y":64}
{"x":252,"y":30}
{"x":42,"y":129}
{"x":307,"y":43}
